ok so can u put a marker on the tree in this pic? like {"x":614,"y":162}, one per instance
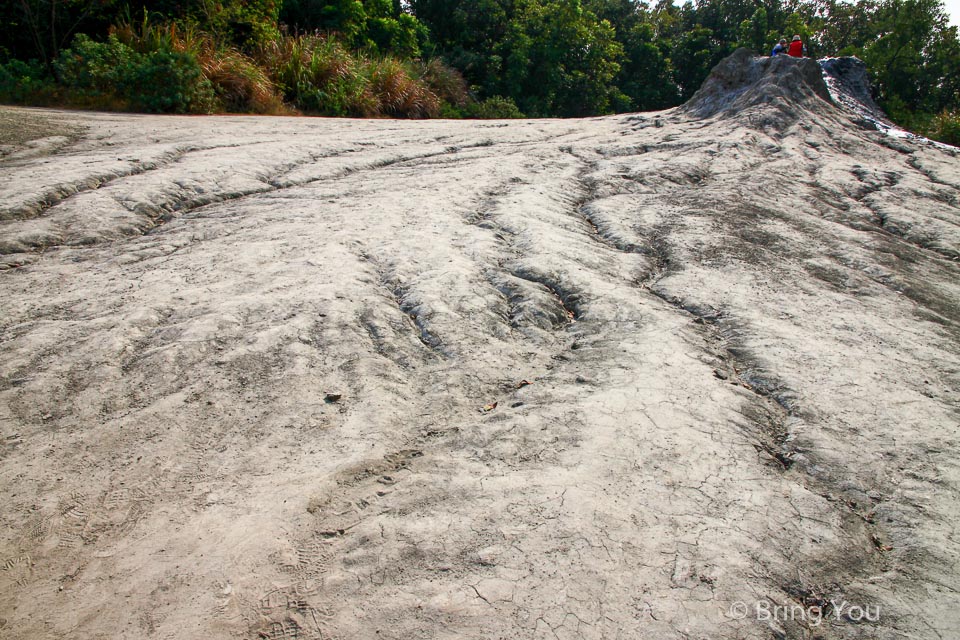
{"x":913,"y":56}
{"x":381,"y":26}
{"x":243,"y":23}
{"x":560,"y":60}
{"x":723,"y":18}
{"x":40,"y":29}
{"x":753,"y":32}
{"x":847,"y":26}
{"x":795,"y":25}
{"x":646,"y":76}
{"x":468,"y":34}
{"x":693,"y":55}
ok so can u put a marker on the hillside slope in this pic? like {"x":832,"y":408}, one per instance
{"x":641,"y":376}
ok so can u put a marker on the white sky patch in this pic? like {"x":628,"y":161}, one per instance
{"x":953,"y":11}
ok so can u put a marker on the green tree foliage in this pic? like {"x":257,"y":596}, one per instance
{"x":914,"y":56}
{"x":469,"y":34}
{"x":26,"y":83}
{"x":797,"y":25}
{"x":646,"y":74}
{"x":753,"y":32}
{"x":560,"y":60}
{"x":495,"y":108}
{"x":944,"y":127}
{"x":848,"y":26}
{"x":344,"y":17}
{"x":379,"y":26}
{"x":469,"y":58}
{"x":645,"y":79}
{"x":694,"y":54}
{"x":40,"y":29}
{"x":241,"y":23}
{"x":723,"y":18}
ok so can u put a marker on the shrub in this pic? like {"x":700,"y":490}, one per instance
{"x":239,"y":84}
{"x":91,"y":69}
{"x":445,"y":82}
{"x":450,"y":112}
{"x":175,"y":68}
{"x":237,"y":24}
{"x":112,"y":74}
{"x":165,"y":82}
{"x":25,"y":83}
{"x":945,"y":127}
{"x":495,"y":108}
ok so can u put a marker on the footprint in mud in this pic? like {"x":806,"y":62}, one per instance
{"x":285,"y":630}
{"x":391,"y":462}
{"x":73,"y":521}
{"x":287,"y":614}
{"x":18,"y":571}
{"x":359,"y":488}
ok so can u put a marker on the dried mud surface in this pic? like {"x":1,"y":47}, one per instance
{"x":302,"y":378}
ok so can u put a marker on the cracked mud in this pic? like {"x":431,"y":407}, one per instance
{"x":305,"y":378}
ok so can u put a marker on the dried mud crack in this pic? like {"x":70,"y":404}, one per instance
{"x":644,"y":376}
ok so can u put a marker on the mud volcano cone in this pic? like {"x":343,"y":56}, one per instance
{"x":783,"y":85}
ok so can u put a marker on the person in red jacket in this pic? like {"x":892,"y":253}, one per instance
{"x":796,"y":48}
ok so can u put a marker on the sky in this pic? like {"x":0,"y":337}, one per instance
{"x":953,"y":10}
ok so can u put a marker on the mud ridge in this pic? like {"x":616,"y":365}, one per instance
{"x":183,"y":203}
{"x":275,"y":183}
{"x":776,"y":402}
{"x":63,"y":192}
{"x":775,"y":407}
{"x":570,"y":301}
{"x":404,"y":298}
{"x":929,"y":174}
{"x":871,"y":187}
{"x":716,"y":329}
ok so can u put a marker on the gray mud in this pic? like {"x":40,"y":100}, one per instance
{"x":33,"y":132}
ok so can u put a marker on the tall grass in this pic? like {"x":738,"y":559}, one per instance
{"x":239,"y":83}
{"x":317,"y":74}
{"x":445,"y":82}
{"x":399,"y":92}
{"x":142,"y":62}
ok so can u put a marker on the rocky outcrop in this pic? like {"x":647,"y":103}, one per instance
{"x":743,"y":80}
{"x":849,"y":85}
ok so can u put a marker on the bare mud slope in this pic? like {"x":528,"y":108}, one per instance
{"x":641,"y":376}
